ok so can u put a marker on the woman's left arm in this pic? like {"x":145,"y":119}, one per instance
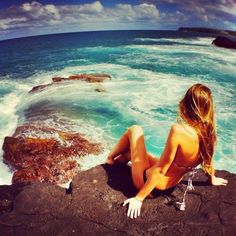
{"x":166,"y":159}
{"x":211,"y":175}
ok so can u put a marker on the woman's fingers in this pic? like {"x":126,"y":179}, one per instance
{"x":135,"y":213}
{"x":219,"y":181}
{"x":132,"y":213}
{"x":139,"y":210}
{"x":129,"y":211}
{"x":224,"y":181}
{"x":134,"y":207}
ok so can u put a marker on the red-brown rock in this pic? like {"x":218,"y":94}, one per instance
{"x":50,"y":158}
{"x":91,"y":78}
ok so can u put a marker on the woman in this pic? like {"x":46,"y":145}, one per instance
{"x":190,"y":142}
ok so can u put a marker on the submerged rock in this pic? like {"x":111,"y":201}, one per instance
{"x":93,"y":206}
{"x":90,"y":78}
{"x":224,"y":42}
{"x":40,"y":88}
{"x":44,"y":154}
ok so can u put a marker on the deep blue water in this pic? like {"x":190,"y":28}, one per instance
{"x":151,"y":70}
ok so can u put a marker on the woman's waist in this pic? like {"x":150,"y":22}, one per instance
{"x":178,"y":170}
{"x":166,"y":181}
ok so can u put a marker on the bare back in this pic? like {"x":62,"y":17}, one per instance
{"x":185,"y":157}
{"x":187,"y":152}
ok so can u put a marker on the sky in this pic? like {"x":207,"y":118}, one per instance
{"x":19,"y":18}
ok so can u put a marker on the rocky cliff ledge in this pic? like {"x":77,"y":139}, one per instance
{"x":224,"y":42}
{"x":208,"y":31}
{"x":93,"y":206}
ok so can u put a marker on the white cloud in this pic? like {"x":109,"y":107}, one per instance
{"x":39,"y":15}
{"x":36,"y":10}
{"x":206,"y":13}
{"x":92,"y":8}
{"x":8,"y":23}
{"x":230,"y":9}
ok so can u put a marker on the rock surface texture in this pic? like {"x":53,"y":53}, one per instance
{"x":93,"y":206}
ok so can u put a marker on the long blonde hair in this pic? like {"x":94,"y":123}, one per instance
{"x":197,"y":109}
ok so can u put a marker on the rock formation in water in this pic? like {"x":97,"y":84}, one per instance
{"x":93,"y":206}
{"x":224,"y":42}
{"x":208,"y":31}
{"x":90,"y":78}
{"x":44,"y":154}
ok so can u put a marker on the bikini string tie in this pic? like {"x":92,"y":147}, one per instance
{"x":181,"y":205}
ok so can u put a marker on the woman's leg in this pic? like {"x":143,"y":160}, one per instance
{"x":131,"y":146}
{"x":139,"y":156}
{"x":121,"y":147}
{"x":153,"y":160}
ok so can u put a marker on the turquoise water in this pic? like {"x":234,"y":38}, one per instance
{"x":151,"y":70}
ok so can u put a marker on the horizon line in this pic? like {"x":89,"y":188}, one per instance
{"x":87,"y":31}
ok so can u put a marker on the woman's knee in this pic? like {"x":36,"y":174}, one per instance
{"x":136,"y":129}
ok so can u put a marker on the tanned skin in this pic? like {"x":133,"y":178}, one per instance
{"x":180,"y":153}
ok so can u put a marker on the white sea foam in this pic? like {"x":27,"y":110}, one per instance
{"x":133,"y":95}
{"x":8,"y":121}
{"x":8,"y":117}
{"x":198,"y":40}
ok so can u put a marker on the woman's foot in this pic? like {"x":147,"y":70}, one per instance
{"x":110,"y":160}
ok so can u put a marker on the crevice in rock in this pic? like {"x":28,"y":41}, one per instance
{"x":69,"y":190}
{"x":105,"y":226}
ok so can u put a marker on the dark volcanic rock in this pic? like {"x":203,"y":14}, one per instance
{"x":219,"y":32}
{"x":48,"y":157}
{"x":93,"y":206}
{"x":224,"y":42}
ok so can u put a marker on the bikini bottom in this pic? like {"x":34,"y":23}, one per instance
{"x":155,"y":192}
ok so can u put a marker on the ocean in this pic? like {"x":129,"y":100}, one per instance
{"x":151,"y":71}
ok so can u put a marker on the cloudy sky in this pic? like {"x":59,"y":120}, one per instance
{"x":23,"y":18}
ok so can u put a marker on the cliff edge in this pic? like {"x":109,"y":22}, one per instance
{"x":93,"y":206}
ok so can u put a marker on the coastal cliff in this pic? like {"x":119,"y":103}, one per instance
{"x":220,"y":32}
{"x":224,"y":42}
{"x":224,"y":38}
{"x":93,"y":206}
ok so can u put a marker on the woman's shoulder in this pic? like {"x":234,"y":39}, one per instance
{"x":177,"y":128}
{"x":183,"y":129}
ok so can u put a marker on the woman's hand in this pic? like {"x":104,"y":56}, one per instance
{"x":218,"y":181}
{"x":134,"y":207}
